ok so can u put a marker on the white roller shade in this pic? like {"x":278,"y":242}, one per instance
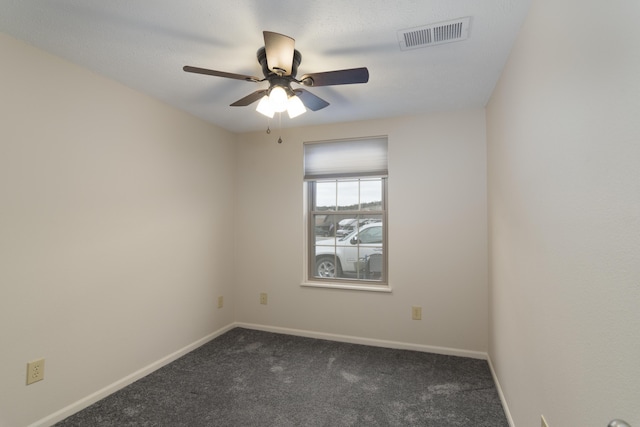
{"x":345,"y":158}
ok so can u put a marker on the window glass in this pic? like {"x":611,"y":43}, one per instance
{"x":348,"y":242}
{"x":325,"y":199}
{"x":370,"y":195}
{"x":348,"y":195}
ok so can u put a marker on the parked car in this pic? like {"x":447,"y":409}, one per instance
{"x":325,"y":229}
{"x":325,"y":225}
{"x":348,"y":226}
{"x":347,"y":256}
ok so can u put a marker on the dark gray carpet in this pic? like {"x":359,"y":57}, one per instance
{"x":254,"y":378}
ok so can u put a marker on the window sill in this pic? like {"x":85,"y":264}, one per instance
{"x":337,"y":285}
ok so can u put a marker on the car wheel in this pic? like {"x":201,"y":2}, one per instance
{"x":326,"y":267}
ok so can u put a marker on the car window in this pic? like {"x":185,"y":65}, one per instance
{"x":371,"y":235}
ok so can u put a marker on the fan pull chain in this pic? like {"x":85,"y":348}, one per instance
{"x":279,"y":127}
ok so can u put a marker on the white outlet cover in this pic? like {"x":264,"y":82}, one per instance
{"x":35,"y":371}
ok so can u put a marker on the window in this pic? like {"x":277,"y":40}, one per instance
{"x":347,"y":185}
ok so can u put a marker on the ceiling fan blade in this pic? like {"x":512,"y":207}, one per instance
{"x":340,"y":77}
{"x":279,"y":49}
{"x":249,"y":99}
{"x":190,"y":69}
{"x":312,"y":102}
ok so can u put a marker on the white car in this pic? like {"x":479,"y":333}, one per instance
{"x":347,"y":256}
{"x":347,"y":226}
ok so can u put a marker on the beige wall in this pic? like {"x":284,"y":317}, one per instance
{"x":116,"y":225}
{"x":564,"y":200}
{"x":437,"y":235}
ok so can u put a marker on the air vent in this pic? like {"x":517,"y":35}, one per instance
{"x":434,"y":34}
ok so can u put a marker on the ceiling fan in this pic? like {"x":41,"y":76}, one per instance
{"x":279,"y":61}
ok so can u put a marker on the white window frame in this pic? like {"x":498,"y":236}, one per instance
{"x":363,"y":284}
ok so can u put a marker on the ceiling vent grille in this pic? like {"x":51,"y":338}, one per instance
{"x":434,"y":34}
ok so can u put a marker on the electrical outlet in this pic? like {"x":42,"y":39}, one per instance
{"x":263,"y":298}
{"x":543,"y":422}
{"x":416,"y":313}
{"x":220,"y":301}
{"x":35,"y":371}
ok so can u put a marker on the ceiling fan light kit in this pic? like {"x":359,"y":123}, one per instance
{"x":278,"y":99}
{"x":295,"y":107}
{"x":265,"y":108}
{"x":279,"y":61}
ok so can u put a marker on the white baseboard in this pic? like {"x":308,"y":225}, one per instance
{"x":501,"y":394}
{"x":112,"y":388}
{"x":366,"y":341}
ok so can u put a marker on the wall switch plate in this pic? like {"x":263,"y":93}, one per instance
{"x":543,"y":422}
{"x":416,"y":313}
{"x":220,"y":301}
{"x":35,"y":371}
{"x":263,"y":298}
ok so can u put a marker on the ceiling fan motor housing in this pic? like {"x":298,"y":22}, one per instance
{"x":262,"y":59}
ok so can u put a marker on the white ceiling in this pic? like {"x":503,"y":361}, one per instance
{"x":144,"y":44}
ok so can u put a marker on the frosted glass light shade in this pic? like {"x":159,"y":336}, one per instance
{"x":295,"y":107}
{"x":264,"y":107}
{"x":278,"y":99}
